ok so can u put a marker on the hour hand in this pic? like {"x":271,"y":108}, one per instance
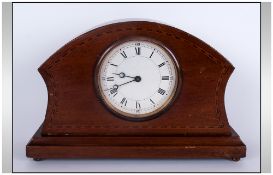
{"x":122,"y":75}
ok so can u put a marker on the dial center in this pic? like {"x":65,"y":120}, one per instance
{"x":137,"y":78}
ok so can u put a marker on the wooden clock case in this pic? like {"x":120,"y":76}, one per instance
{"x":78,"y":125}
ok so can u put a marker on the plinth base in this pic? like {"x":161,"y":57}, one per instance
{"x":47,"y":147}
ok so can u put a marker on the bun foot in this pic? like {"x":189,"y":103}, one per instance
{"x":235,"y":159}
{"x":37,"y":159}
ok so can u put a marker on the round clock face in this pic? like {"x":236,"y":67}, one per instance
{"x":137,"y":78}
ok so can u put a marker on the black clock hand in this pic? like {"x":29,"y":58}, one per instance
{"x":117,"y":86}
{"x":126,"y":82}
{"x":136,"y":79}
{"x":114,"y":87}
{"x":122,"y":75}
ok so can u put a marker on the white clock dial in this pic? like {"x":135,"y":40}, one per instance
{"x":137,"y":78}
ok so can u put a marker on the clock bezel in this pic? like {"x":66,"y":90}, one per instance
{"x":138,"y":117}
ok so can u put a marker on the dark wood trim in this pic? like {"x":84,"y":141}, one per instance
{"x":45,"y":147}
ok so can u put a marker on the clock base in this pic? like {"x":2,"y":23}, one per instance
{"x":49,"y":147}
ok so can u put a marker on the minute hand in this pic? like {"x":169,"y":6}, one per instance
{"x":136,"y":79}
{"x":126,"y":82}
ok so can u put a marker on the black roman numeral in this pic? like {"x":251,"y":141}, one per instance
{"x":137,"y":50}
{"x":113,"y":64}
{"x":162,"y":64}
{"x":161,"y":91}
{"x":124,"y":101}
{"x":114,"y":90}
{"x":123,"y":54}
{"x":152,"y":54}
{"x":110,"y":78}
{"x":165,"y":77}
{"x":152,"y":101}
{"x":138,"y":105}
{"x":103,"y":78}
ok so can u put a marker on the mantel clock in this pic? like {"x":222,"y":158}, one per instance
{"x":136,"y":89}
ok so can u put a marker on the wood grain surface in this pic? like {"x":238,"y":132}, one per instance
{"x":75,"y":108}
{"x":76,"y":116}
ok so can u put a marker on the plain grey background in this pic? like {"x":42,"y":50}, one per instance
{"x":232,"y":29}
